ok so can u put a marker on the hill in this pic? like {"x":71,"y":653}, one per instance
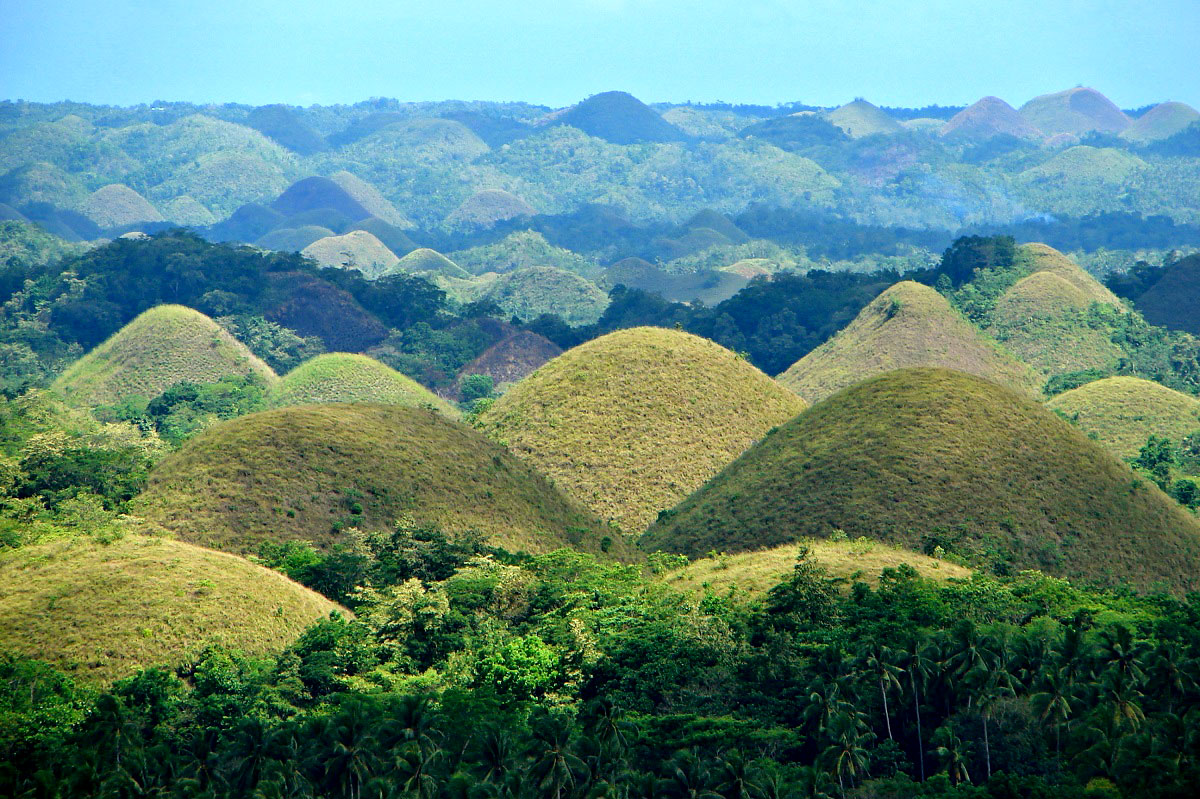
{"x":371,"y":199}
{"x":709,"y":286}
{"x":357,"y":249}
{"x":1123,"y":412}
{"x":1161,"y":122}
{"x":343,"y":377}
{"x":860,"y":118}
{"x":1044,"y":258}
{"x":161,"y":347}
{"x":424,"y":259}
{"x":1174,"y":298}
{"x":513,"y":358}
{"x":102,"y":612}
{"x":922,"y":458}
{"x":712,"y":220}
{"x":186,"y":210}
{"x":535,"y":290}
{"x":1075,"y":111}
{"x":293,"y":239}
{"x":986,"y":118}
{"x":392,"y":237}
{"x":796,"y":132}
{"x":620,"y":118}
{"x":484,"y":209}
{"x":117,"y":205}
{"x":907,"y":325}
{"x":40,"y":182}
{"x":631,"y":422}
{"x":306,"y":472}
{"x":277,"y":122}
{"x":311,"y":194}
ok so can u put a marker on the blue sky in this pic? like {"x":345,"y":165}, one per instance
{"x":823,"y":52}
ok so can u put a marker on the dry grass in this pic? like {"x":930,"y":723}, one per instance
{"x":102,"y":611}
{"x":907,"y":325}
{"x":1122,"y":412}
{"x":343,"y":377}
{"x":117,"y":205}
{"x":513,"y":358}
{"x":860,"y":118}
{"x":632,"y":422}
{"x":988,"y":117}
{"x":371,"y":199}
{"x":357,"y":249}
{"x":484,"y":209}
{"x":161,"y":347}
{"x":1077,"y":111}
{"x":929,"y":457}
{"x":427,"y":260}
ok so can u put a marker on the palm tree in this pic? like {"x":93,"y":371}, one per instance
{"x":687,"y":778}
{"x":349,"y":761}
{"x":738,"y":778}
{"x":555,"y":766}
{"x":918,"y":659}
{"x":824,"y":702}
{"x":414,"y":767}
{"x":1123,"y":699}
{"x":1119,"y":652}
{"x":1171,"y":671}
{"x":1053,"y":702}
{"x":495,"y":753}
{"x":848,"y":753}
{"x":953,"y":753}
{"x":877,"y":661}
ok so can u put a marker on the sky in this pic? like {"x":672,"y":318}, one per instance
{"x":555,"y":52}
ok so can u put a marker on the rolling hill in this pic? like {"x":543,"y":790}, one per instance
{"x":1161,"y":122}
{"x":370,"y":199}
{"x":708,"y":285}
{"x":484,"y":209}
{"x":392,"y":237}
{"x":1074,"y":111}
{"x":357,"y":249}
{"x":293,"y":239}
{"x":633,"y":421}
{"x":103,"y":611}
{"x":907,"y":325}
{"x":619,"y":118}
{"x":513,"y":358}
{"x":344,"y":377}
{"x":1122,"y":412}
{"x":1174,"y":298}
{"x":161,"y":347}
{"x":529,"y":292}
{"x":424,"y":259}
{"x":314,"y":193}
{"x":305,"y":473}
{"x":860,"y":118}
{"x":986,"y":118}
{"x":923,"y":458}
{"x":116,"y":205}
{"x":280,"y":124}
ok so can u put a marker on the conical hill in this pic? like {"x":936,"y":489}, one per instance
{"x":163,"y":346}
{"x":345,"y":377}
{"x":927,"y":458}
{"x":307,"y":472}
{"x":907,"y":325}
{"x":103,"y":611}
{"x":1075,"y":111}
{"x":1123,"y":412}
{"x":1161,"y":122}
{"x":631,"y":422}
{"x":986,"y":118}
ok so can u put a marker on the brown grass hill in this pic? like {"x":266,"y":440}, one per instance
{"x":371,"y":199}
{"x":484,"y":209}
{"x":632,"y":422}
{"x":860,"y":118}
{"x":927,"y":458}
{"x":103,"y":611}
{"x":117,"y":205}
{"x":1075,"y":111}
{"x":713,"y":220}
{"x":424,"y":259}
{"x":1044,"y":258}
{"x":293,"y":239}
{"x":1161,"y":122}
{"x":357,"y":249}
{"x":513,"y":358}
{"x":308,"y":472}
{"x":907,"y":325}
{"x":988,"y":117}
{"x":186,"y":210}
{"x":619,"y":118}
{"x":392,"y":237}
{"x":345,"y":377}
{"x":161,"y":347}
{"x":1123,"y":412}
{"x":529,"y":292}
{"x":314,"y":193}
{"x":314,"y":307}
{"x":1174,"y":299}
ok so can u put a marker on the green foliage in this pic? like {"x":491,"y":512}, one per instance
{"x":473,"y":388}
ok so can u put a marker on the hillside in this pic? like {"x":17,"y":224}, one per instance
{"x":620,"y":118}
{"x":102,"y":611}
{"x":357,"y":249}
{"x":907,"y":325}
{"x":529,"y":292}
{"x":278,"y":123}
{"x":513,"y":358}
{"x":1123,"y":412}
{"x":1174,"y":298}
{"x":921,"y":458}
{"x":1043,"y":258}
{"x":1075,"y":111}
{"x":161,"y":347}
{"x":709,"y":286}
{"x":391,"y":236}
{"x":1161,"y":122}
{"x":633,"y":421}
{"x":316,"y":193}
{"x":116,"y":205}
{"x":343,"y":377}
{"x":424,"y":259}
{"x":986,"y":118}
{"x":293,"y":239}
{"x":484,"y":209}
{"x":860,"y":118}
{"x":187,"y":210}
{"x":370,"y":199}
{"x":306,"y":472}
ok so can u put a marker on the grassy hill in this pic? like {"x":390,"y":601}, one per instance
{"x":102,"y":611}
{"x":922,"y":458}
{"x":513,"y":358}
{"x":161,"y":347}
{"x":40,"y":182}
{"x":357,"y":249}
{"x":1173,"y":299}
{"x":532,"y":291}
{"x":305,"y":473}
{"x":860,"y":118}
{"x":314,"y":193}
{"x":424,"y":259}
{"x":343,"y":377}
{"x":521,"y":249}
{"x":392,"y":237}
{"x":709,"y":286}
{"x":1161,"y":122}
{"x":620,"y":118}
{"x":484,"y":209}
{"x":633,"y":421}
{"x":117,"y":205}
{"x":1044,"y":258}
{"x":907,"y":325}
{"x":1081,"y":180}
{"x":1122,"y":412}
{"x":293,"y":239}
{"x":371,"y":199}
{"x":186,"y":210}
{"x":1076,"y":111}
{"x":278,"y":123}
{"x":986,"y":118}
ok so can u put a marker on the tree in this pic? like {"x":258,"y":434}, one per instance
{"x":918,"y":660}
{"x":953,"y":752}
{"x":555,"y":766}
{"x":877,"y":661}
{"x":847,"y":754}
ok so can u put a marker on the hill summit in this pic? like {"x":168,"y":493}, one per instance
{"x":620,"y":118}
{"x":631,"y":422}
{"x":927,"y":458}
{"x":860,"y":118}
{"x":1076,"y":111}
{"x":988,"y":117}
{"x":1123,"y":412}
{"x":345,"y":377}
{"x":907,"y":325}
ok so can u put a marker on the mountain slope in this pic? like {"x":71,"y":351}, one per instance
{"x":1123,"y":412}
{"x":1075,"y":111}
{"x":860,"y":118}
{"x":986,"y":118}
{"x":1174,"y":299}
{"x":343,"y":377}
{"x":620,"y":118}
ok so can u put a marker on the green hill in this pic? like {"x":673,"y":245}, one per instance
{"x":293,"y":239}
{"x":708,"y":285}
{"x":907,"y":325}
{"x":1081,"y":180}
{"x":631,"y":422}
{"x":532,"y":291}
{"x":392,"y":237}
{"x":40,"y":182}
{"x":187,"y":210}
{"x":1173,"y":299}
{"x":314,"y":193}
{"x":278,"y":123}
{"x":343,"y":377}
{"x":484,"y":209}
{"x":620,"y":118}
{"x":1075,"y":111}
{"x":513,"y":358}
{"x":371,"y":199}
{"x":117,"y":205}
{"x":306,"y":472}
{"x":1123,"y":412}
{"x":521,"y":249}
{"x":713,"y":220}
{"x":987,"y":118}
{"x":357,"y":249}
{"x":424,"y":259}
{"x":163,"y":346}
{"x":922,"y":458}
{"x":102,"y":612}
{"x":860,"y":118}
{"x":1161,"y":122}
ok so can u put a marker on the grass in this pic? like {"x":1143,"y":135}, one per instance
{"x":1076,"y":111}
{"x":343,"y":377}
{"x":513,"y":358}
{"x":988,"y":117}
{"x":1082,"y":180}
{"x":860,"y":118}
{"x":394,"y":238}
{"x":709,"y":286}
{"x":357,"y":249}
{"x":314,"y":193}
{"x":1122,"y":412}
{"x":632,"y":422}
{"x":619,"y":118}
{"x":752,"y":574}
{"x":1161,"y":122}
{"x":427,"y":260}
{"x":529,"y":292}
{"x":484,"y":209}
{"x":305,"y":473}
{"x":186,"y":210}
{"x":1173,"y":299}
{"x":522,"y":249}
{"x":102,"y":611}
{"x":163,"y":346}
{"x":117,"y":205}
{"x":371,"y":199}
{"x":907,"y":325}
{"x":293,"y":239}
{"x":921,"y":458}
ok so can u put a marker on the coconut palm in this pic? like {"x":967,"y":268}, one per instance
{"x":1053,"y":702}
{"x":555,"y":767}
{"x":918,"y":660}
{"x":847,"y":754}
{"x":953,"y":752}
